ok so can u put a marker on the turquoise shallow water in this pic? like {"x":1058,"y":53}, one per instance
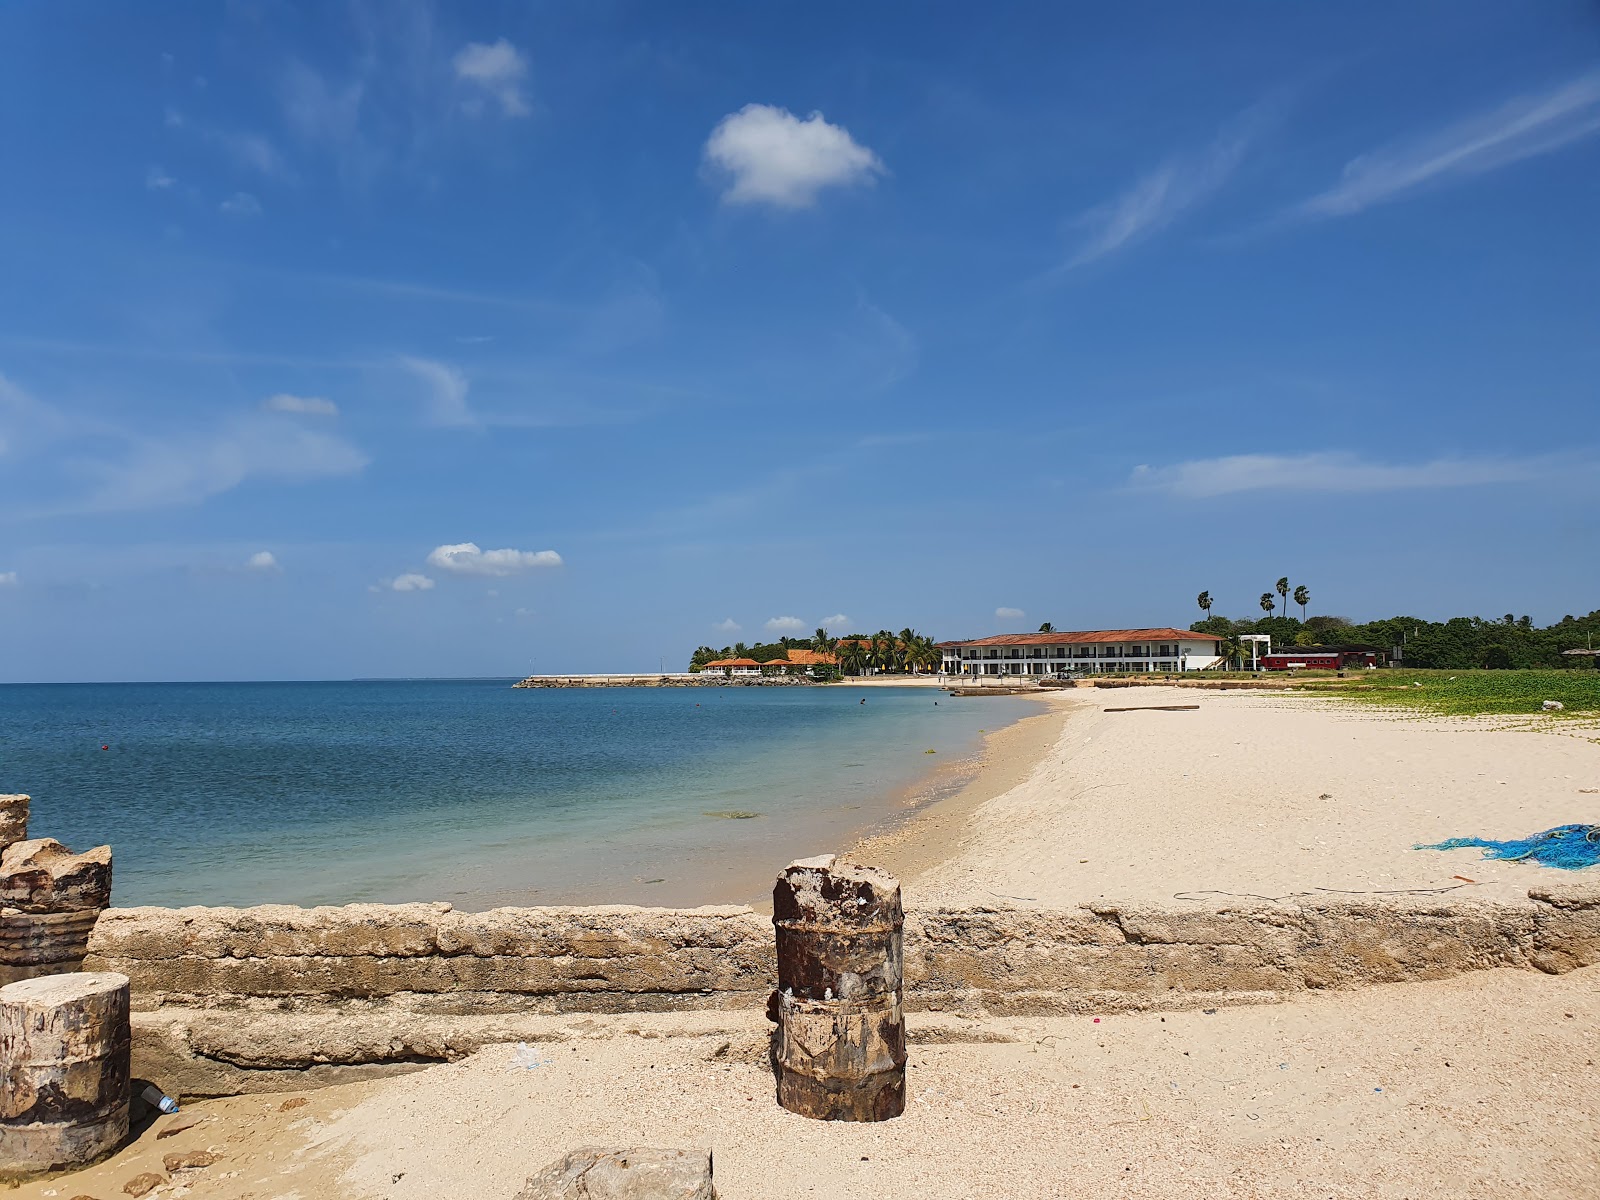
{"x":467,"y":791}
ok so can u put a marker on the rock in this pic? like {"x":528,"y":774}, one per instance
{"x":43,"y":876}
{"x":291,"y":1104}
{"x":13,"y":819}
{"x":148,"y":1182}
{"x":180,"y":1122}
{"x":636,"y":1173}
{"x":188,"y":1160}
{"x":1553,"y":706}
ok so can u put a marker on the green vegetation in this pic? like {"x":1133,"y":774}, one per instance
{"x":1474,"y":693}
{"x":1459,"y":644}
{"x":858,"y":653}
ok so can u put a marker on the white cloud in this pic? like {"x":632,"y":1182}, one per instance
{"x":728,"y":625}
{"x":262,"y":560}
{"x":157,"y":180}
{"x":312,"y":406}
{"x":1157,"y":200}
{"x":241,"y":204}
{"x":498,"y":69}
{"x":523,"y":613}
{"x":771,"y":156}
{"x":836,"y":621}
{"x":410,"y":582}
{"x":1328,"y":471}
{"x":187,"y":467}
{"x":1521,"y":128}
{"x":95,"y":466}
{"x":464,"y":558}
{"x":785,"y":625}
{"x":8,"y":579}
{"x":1009,"y":614}
{"x":447,"y":392}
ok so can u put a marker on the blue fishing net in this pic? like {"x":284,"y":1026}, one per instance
{"x":1566,"y":846}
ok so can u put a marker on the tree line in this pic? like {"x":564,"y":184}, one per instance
{"x":1458,"y":644}
{"x":907,"y":651}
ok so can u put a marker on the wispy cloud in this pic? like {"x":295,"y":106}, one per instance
{"x":81,"y":465}
{"x":465,"y":558}
{"x":311,"y":406}
{"x":770,"y":156}
{"x":496,"y":70}
{"x":1009,"y":614}
{"x":1160,"y":197}
{"x":264,"y":561}
{"x":158,"y":180}
{"x":409,"y":582}
{"x":785,"y":625}
{"x":1329,"y":471}
{"x":1525,"y":127}
{"x":446,"y":392}
{"x":835,"y":621}
{"x":9,"y":579}
{"x":728,"y":625}
{"x":241,"y":204}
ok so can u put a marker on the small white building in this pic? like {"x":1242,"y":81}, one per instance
{"x":1099,"y":651}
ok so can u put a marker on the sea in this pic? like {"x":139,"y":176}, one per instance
{"x":471,"y":791}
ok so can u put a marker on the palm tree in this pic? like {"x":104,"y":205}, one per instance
{"x":740,"y":650}
{"x":822,"y":643}
{"x":1266,"y":603}
{"x":1204,"y":601}
{"x":1047,"y":628}
{"x":852,"y":658}
{"x":1302,"y":597}
{"x":1282,"y":588}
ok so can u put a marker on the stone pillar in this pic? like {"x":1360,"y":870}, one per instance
{"x":840,"y":1047}
{"x":50,"y":899}
{"x":13,"y":819}
{"x":64,"y":1062}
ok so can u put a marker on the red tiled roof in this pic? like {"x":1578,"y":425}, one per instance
{"x":732,"y":662}
{"x":1095,"y":635}
{"x":812,"y":658}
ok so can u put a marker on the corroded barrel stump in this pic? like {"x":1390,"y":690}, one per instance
{"x":13,"y":819}
{"x":840,"y":1047}
{"x":64,"y":1061}
{"x":50,"y":899}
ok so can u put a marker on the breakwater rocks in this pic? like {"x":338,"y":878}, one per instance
{"x":230,"y":1000}
{"x":698,"y":679}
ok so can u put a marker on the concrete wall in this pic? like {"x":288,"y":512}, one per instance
{"x":231,"y":1000}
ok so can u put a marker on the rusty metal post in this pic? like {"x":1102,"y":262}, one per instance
{"x":64,"y":1062}
{"x":839,"y":1051}
{"x":50,"y":899}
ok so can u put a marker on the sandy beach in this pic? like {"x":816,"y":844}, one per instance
{"x":1247,"y":794}
{"x":1480,"y":1085}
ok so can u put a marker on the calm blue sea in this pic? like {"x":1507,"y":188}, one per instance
{"x":467,"y":790}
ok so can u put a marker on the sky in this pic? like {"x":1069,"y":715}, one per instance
{"x":357,"y":339}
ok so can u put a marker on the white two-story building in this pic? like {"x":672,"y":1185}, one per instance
{"x":1101,"y":650}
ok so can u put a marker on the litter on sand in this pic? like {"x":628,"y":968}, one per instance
{"x":1569,"y":847}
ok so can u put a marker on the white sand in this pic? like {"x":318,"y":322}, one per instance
{"x":1480,"y":1086}
{"x":1253,"y":794}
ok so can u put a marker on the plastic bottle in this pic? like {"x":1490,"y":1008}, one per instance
{"x":156,"y":1098}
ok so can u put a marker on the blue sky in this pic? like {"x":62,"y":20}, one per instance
{"x":399,"y":339}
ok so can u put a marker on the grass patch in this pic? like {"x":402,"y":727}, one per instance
{"x":1476,"y":693}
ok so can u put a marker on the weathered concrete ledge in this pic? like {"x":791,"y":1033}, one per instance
{"x":230,"y":1000}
